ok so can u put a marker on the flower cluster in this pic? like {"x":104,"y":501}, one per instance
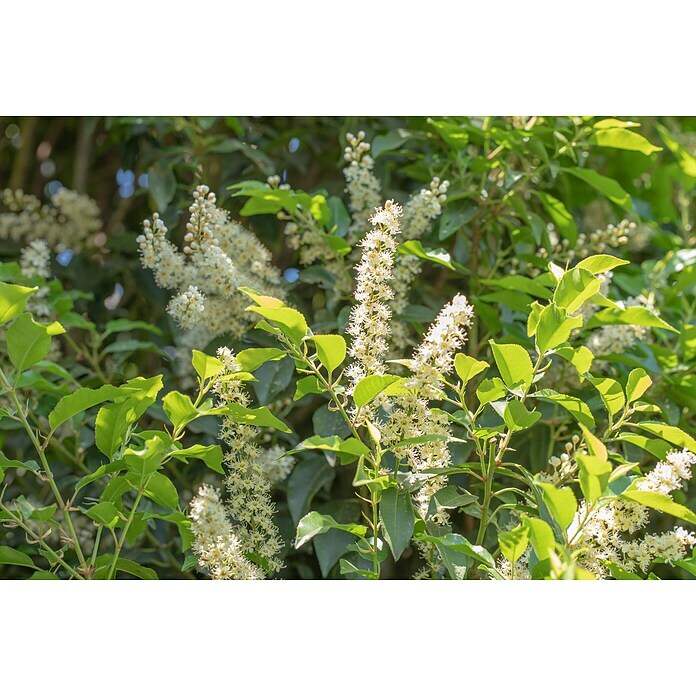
{"x":564,"y":468}
{"x":411,"y":415}
{"x":69,"y":222}
{"x":362,"y":186}
{"x":600,"y":532}
{"x":248,"y":481}
{"x":219,"y":256}
{"x":421,"y":210}
{"x":35,"y":262}
{"x":217,"y":546}
{"x":369,"y":322}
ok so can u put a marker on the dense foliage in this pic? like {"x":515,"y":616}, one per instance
{"x":347,"y":348}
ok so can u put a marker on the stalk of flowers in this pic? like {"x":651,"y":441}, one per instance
{"x":248,"y":482}
{"x":421,"y":210}
{"x":69,"y":222}
{"x":207,"y":303}
{"x":35,"y":262}
{"x":601,"y":533}
{"x":218,"y":548}
{"x":369,"y":322}
{"x":363,"y":187}
{"x":411,"y":415}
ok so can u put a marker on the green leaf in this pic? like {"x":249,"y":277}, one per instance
{"x":331,"y":351}
{"x":517,"y":417}
{"x":123,"y":325}
{"x":562,"y":219}
{"x":600,"y":263}
{"x":632,"y":316}
{"x":252,"y":358}
{"x":306,"y":480}
{"x":414,"y":248}
{"x":160,"y":489}
{"x":315,"y":523}
{"x":333,"y":443}
{"x":576,"y":407}
{"x":179,"y":408}
{"x":622,"y":139}
{"x":6,"y":463}
{"x":518,"y":283}
{"x":670,"y":433}
{"x":104,"y":513}
{"x":661,"y":502}
{"x":593,"y":475}
{"x":368,"y":388}
{"x":581,"y":358}
{"x":290,"y":322}
{"x":456,"y":542}
{"x":29,"y":342}
{"x":468,"y":367}
{"x":606,"y":186}
{"x":10,"y":556}
{"x":307,"y":385}
{"x":147,"y":460}
{"x":260,"y":417}
{"x":123,"y":564}
{"x":112,"y":424}
{"x":13,"y":300}
{"x":398,"y":519}
{"x":79,"y":401}
{"x":611,"y":393}
{"x":514,"y":543}
{"x":514,"y":364}
{"x":206,"y":366}
{"x":554,"y":327}
{"x":561,"y":503}
{"x":490,"y":390}
{"x":541,"y":537}
{"x":210,"y":455}
{"x":575,"y":288}
{"x":637,"y":384}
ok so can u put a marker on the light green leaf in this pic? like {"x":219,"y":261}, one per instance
{"x":13,"y":300}
{"x":623,"y":139}
{"x":581,"y":358}
{"x":575,"y":288}
{"x":593,"y":475}
{"x":514,"y":543}
{"x":514,"y":364}
{"x":671,"y":433}
{"x":517,"y":417}
{"x":333,"y":443}
{"x":541,"y":536}
{"x":490,"y":390}
{"x":460,"y":544}
{"x":554,"y":327}
{"x":252,"y":358}
{"x":468,"y":367}
{"x":561,"y":503}
{"x":414,"y":248}
{"x":331,"y":351}
{"x":290,"y":322}
{"x":637,"y":384}
{"x":661,"y":502}
{"x":611,"y":393}
{"x":576,"y":407}
{"x":600,"y":263}
{"x":315,"y":523}
{"x":29,"y":342}
{"x":307,"y":385}
{"x":179,"y":408}
{"x":160,"y":489}
{"x":210,"y":455}
{"x":79,"y":401}
{"x":632,"y":316}
{"x":260,"y":417}
{"x":206,"y":366}
{"x":368,"y":388}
